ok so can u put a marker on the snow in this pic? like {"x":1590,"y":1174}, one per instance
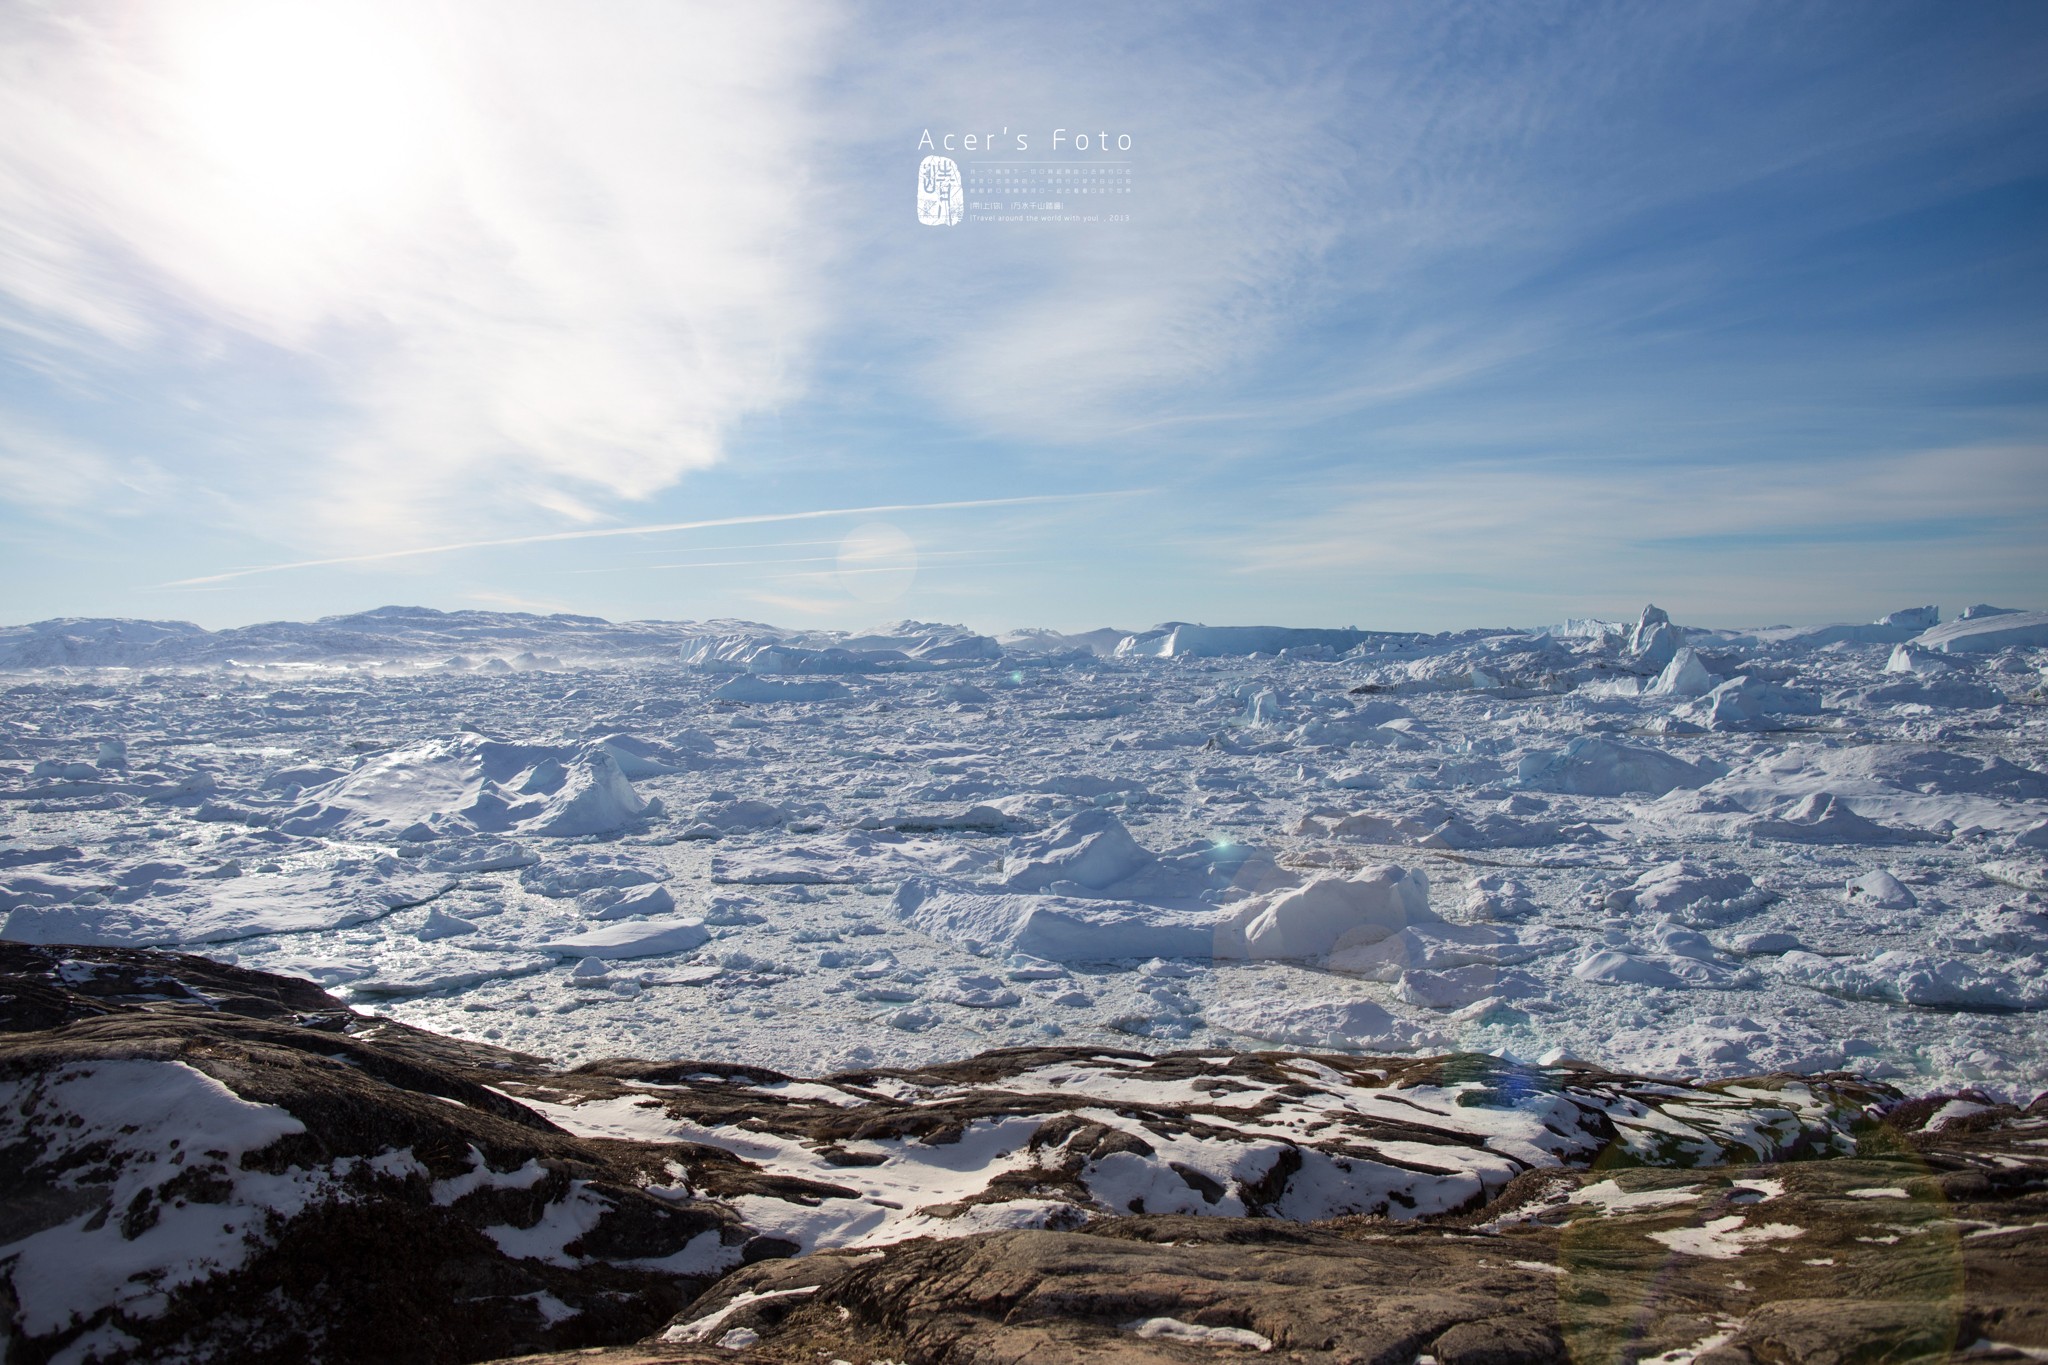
{"x":1173,"y":1329}
{"x":128,"y":1120}
{"x":1312,"y":1142}
{"x":1723,"y":1239}
{"x":1688,"y":1355}
{"x":563,"y":1222}
{"x":481,"y":1177}
{"x":699,"y":1328}
{"x":1610,"y":1198}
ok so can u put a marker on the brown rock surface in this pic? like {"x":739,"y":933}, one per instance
{"x":414,"y":1163}
{"x":1925,"y":1246}
{"x":1959,"y":1265}
{"x":447,"y":1218}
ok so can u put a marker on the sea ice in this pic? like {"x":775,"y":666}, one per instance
{"x":469,"y":785}
{"x":1880,"y":890}
{"x":1592,"y":766}
{"x":631,"y":938}
{"x":1093,"y":850}
{"x":1061,"y":928}
{"x":1684,"y":676}
{"x":1362,"y":1025}
{"x":334,"y":803}
{"x":1331,"y":914}
{"x":1987,"y":634}
{"x":1690,"y":893}
{"x":748,"y":688}
{"x":1824,"y":818}
{"x":1918,"y":978}
{"x":1748,"y":703}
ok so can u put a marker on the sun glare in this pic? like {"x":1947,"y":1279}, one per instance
{"x":310,"y":119}
{"x":877,"y":562}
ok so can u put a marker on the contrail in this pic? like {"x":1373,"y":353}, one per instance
{"x":649,"y":530}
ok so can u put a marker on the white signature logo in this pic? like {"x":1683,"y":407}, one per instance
{"x":940,"y":200}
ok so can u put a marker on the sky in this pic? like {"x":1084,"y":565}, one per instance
{"x":1395,"y":315}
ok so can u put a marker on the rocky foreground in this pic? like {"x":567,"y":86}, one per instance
{"x":199,"y":1162}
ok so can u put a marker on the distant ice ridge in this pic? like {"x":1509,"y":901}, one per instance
{"x":907,"y":646}
{"x":1988,"y":633}
{"x":490,"y":640}
{"x":1585,"y":628}
{"x":1053,"y":642}
{"x":1183,"y":640}
{"x":388,"y":634}
{"x":1893,"y":628}
{"x":495,"y":641}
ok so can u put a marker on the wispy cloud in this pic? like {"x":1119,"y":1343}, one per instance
{"x":1500,"y":304}
{"x":518,"y":602}
{"x":650,"y":529}
{"x":795,"y":604}
{"x":520,"y":257}
{"x":1054,"y":333}
{"x":1341,"y":210}
{"x":1793,"y":539}
{"x":62,"y":476}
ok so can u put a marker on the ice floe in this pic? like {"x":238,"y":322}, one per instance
{"x":1690,"y":893}
{"x":631,"y":938}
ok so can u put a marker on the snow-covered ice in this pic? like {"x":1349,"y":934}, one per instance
{"x":1647,"y":844}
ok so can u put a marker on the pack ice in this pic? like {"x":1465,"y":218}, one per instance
{"x":1645,"y":844}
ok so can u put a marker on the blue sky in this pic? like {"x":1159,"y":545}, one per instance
{"x":1425,"y":315}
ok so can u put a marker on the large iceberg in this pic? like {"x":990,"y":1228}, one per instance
{"x":471,"y":785}
{"x":1592,"y":766}
{"x":1988,"y":634}
{"x":1331,"y":914}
